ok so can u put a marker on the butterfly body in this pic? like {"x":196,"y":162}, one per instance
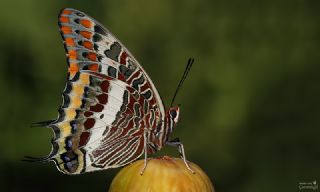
{"x":111,"y":113}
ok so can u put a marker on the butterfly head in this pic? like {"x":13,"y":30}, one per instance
{"x":173,"y":114}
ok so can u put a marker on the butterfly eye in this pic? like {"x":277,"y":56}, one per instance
{"x":173,"y":114}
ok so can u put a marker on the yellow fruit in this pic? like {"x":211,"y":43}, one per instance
{"x":161,"y":174}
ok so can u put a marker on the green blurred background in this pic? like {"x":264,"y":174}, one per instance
{"x":250,"y":106}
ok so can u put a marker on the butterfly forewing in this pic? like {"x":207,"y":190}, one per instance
{"x":108,"y":101}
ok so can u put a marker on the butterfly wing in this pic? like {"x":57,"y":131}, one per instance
{"x":108,"y":100}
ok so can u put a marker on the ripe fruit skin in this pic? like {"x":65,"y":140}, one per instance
{"x":161,"y":174}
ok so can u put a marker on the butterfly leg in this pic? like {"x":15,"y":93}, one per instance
{"x":177,"y":143}
{"x":145,"y":152}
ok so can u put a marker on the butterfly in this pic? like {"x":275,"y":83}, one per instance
{"x":112,"y":113}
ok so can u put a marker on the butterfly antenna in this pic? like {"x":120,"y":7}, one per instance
{"x":184,"y":76}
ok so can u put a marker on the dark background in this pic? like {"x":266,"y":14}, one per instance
{"x":250,"y":106}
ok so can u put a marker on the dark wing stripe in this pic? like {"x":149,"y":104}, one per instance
{"x":126,"y":152}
